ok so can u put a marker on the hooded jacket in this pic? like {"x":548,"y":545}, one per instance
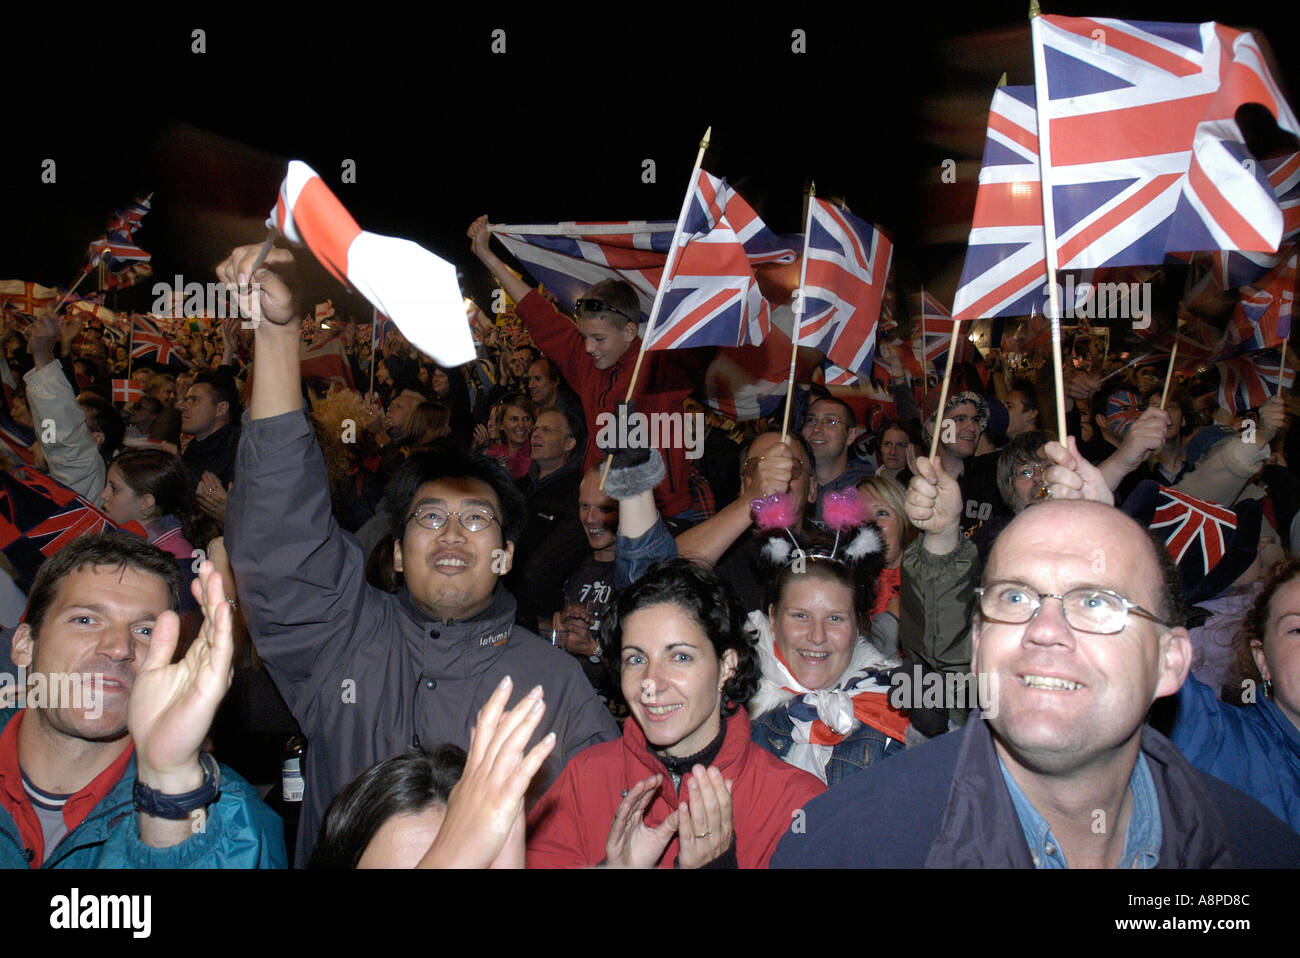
{"x":944,"y":804}
{"x":569,"y":826}
{"x":369,"y":674}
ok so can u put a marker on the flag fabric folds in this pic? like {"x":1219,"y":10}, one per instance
{"x":39,"y":516}
{"x":1247,"y":381}
{"x":400,"y":278}
{"x":1140,"y":153}
{"x":127,"y":390}
{"x":26,"y":297}
{"x":847,"y":267}
{"x":148,"y":340}
{"x":1263,"y":315}
{"x":1005,"y":268}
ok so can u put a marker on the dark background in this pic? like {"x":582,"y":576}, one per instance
{"x":442,"y":129}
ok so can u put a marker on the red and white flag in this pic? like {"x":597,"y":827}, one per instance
{"x":127,"y":390}
{"x":417,"y":289}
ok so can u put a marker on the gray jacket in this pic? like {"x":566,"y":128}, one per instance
{"x":366,"y":673}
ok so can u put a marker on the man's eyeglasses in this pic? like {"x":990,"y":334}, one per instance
{"x":587,"y":304}
{"x":830,"y":422}
{"x":1030,"y":470}
{"x":1099,"y":611}
{"x":471,"y":520}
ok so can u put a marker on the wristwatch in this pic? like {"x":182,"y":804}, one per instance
{"x":178,"y":807}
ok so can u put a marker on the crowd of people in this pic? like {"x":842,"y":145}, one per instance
{"x":508,"y":642}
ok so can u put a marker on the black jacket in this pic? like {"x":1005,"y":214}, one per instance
{"x":216,"y":454}
{"x":369,"y":674}
{"x":944,"y":805}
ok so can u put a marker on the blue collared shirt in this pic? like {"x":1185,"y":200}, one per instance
{"x":1142,"y":837}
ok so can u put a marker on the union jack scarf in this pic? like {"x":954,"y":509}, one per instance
{"x":821,"y":718}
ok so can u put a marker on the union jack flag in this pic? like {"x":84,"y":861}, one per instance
{"x":872,"y":406}
{"x":1247,"y":382}
{"x":1192,"y":528}
{"x":1140,"y":153}
{"x":1005,"y":269}
{"x":127,"y":219}
{"x":847,"y":267}
{"x":569,"y":257}
{"x":16,"y":441}
{"x":749,"y":382}
{"x":117,"y":251}
{"x":147,"y":339}
{"x":937,"y":323}
{"x":1263,"y":315}
{"x":1237,"y":268}
{"x":127,"y":276}
{"x":38,"y":517}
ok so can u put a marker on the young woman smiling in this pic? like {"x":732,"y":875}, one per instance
{"x":685,"y":786}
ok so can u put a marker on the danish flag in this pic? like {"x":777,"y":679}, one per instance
{"x":127,"y":390}
{"x":400,"y":278}
{"x":847,"y":266}
{"x":1187,"y":523}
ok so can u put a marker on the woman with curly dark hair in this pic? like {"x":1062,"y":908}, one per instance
{"x":685,"y":786}
{"x":1255,"y":748}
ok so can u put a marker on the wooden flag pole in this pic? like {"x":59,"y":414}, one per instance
{"x":1281,"y":366}
{"x":798,"y":309}
{"x":374,"y":328}
{"x":1173,"y":355}
{"x":925,"y":375}
{"x":943,"y":389}
{"x":664,"y":279}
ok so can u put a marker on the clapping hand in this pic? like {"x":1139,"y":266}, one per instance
{"x":484,"y":825}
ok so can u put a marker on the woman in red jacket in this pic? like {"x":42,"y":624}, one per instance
{"x":685,"y":786}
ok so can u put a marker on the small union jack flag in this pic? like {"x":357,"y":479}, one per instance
{"x":147,"y":339}
{"x":847,"y":267}
{"x":1263,"y":315}
{"x":117,"y":251}
{"x":128,"y":219}
{"x":1247,"y":382}
{"x":1192,"y":528}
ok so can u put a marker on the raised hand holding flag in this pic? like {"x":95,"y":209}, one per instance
{"x":401,"y":279}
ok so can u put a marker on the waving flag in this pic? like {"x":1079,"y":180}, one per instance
{"x":16,"y":441}
{"x":38,"y":517}
{"x":327,"y":360}
{"x":117,"y":251}
{"x":128,"y":219}
{"x":750,"y":382}
{"x":1237,"y":268}
{"x":713,"y":278}
{"x":323,"y":311}
{"x":1122,"y":410}
{"x":847,"y":268}
{"x":127,"y":390}
{"x":1005,"y":269}
{"x":148,"y":340}
{"x":1263,"y":316}
{"x":1141,"y":155}
{"x":128,"y":276}
{"x":23,"y":296}
{"x":1192,"y":528}
{"x":1247,"y":382}
{"x":400,"y":278}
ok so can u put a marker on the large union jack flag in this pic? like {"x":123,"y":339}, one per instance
{"x":1193,"y":529}
{"x":1140,"y":153}
{"x":1005,"y":269}
{"x":1247,"y":382}
{"x":39,"y":516}
{"x":147,"y":339}
{"x":1263,"y":315}
{"x":847,"y":268}
{"x":723,"y":241}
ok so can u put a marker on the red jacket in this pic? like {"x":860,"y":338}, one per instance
{"x":601,"y":390}
{"x":569,"y":825}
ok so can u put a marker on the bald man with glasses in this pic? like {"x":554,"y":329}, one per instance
{"x":1077,"y":628}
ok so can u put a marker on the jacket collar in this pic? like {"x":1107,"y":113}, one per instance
{"x":980,"y":828}
{"x":731,"y":760}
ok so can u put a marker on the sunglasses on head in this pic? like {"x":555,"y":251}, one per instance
{"x":588,"y":304}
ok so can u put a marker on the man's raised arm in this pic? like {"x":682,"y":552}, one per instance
{"x":480,"y":238}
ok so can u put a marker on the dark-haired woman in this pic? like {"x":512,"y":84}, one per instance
{"x":151,"y":487}
{"x":1255,"y":748}
{"x":685,"y":786}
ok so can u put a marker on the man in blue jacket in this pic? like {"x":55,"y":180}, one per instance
{"x":1078,"y":630}
{"x":100,"y":762}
